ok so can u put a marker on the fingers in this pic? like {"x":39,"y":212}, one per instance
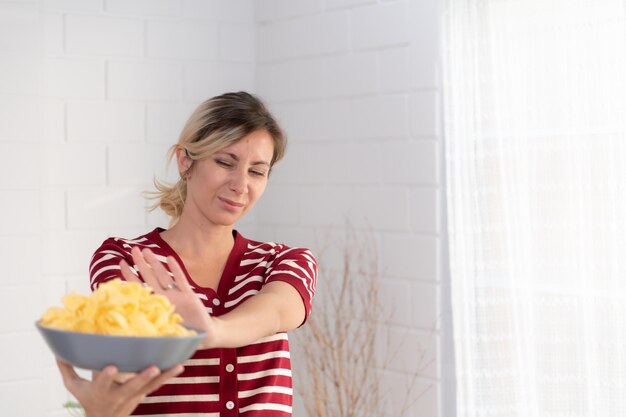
{"x":136,"y":384}
{"x":163,"y":378}
{"x":103,"y":393}
{"x":71,"y":379}
{"x":128,"y":273}
{"x":150,"y":379}
{"x":103,"y":380}
{"x":159,"y":270}
{"x":144,"y":269}
{"x":150,"y":268}
{"x":122,"y":377}
{"x":179,"y":275}
{"x":154,"y":272}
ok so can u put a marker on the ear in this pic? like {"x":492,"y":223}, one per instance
{"x":182,"y":160}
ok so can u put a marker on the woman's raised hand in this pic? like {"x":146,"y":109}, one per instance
{"x":104,"y":397}
{"x":175,"y":287}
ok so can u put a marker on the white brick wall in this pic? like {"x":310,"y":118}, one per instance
{"x":331,"y":34}
{"x":421,"y":251}
{"x":137,"y":164}
{"x":236,"y":42}
{"x":120,"y":207}
{"x":220,"y":10}
{"x":394,"y":63}
{"x":93,"y":92}
{"x":74,"y":77}
{"x":145,"y":80}
{"x":15,"y":247}
{"x":164,"y":120}
{"x":381,"y":25}
{"x":74,"y":164}
{"x":278,"y":9}
{"x":16,"y":172}
{"x":104,"y":35}
{"x":213,"y":78}
{"x":355,"y":85}
{"x":54,"y":121}
{"x":73,"y":5}
{"x":144,"y":7}
{"x":335,"y":4}
{"x":182,"y":39}
{"x":21,"y":127}
{"x":101,"y":121}
{"x":20,"y":215}
{"x":293,"y":80}
{"x":330,"y":121}
{"x":27,"y":299}
{"x":353,"y":74}
{"x":14,"y":110}
{"x":380,"y":116}
{"x":17,"y":22}
{"x":411,"y":162}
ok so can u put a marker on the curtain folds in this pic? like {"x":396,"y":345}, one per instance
{"x":534,"y":113}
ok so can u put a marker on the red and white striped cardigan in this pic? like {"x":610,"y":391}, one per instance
{"x":251,"y":381}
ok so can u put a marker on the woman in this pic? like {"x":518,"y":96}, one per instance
{"x":244,"y":294}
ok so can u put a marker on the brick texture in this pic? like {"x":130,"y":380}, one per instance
{"x":94,"y":92}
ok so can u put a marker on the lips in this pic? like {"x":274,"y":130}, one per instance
{"x":231,"y":202}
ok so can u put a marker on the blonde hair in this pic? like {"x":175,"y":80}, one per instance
{"x":215,"y":124}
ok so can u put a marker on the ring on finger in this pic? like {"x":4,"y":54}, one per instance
{"x":171,"y":285}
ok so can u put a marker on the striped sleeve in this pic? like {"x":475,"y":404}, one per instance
{"x":298,"y":267}
{"x":105,"y":262}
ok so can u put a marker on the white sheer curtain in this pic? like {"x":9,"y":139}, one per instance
{"x":535,"y":109}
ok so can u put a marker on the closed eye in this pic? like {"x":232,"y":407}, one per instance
{"x":223,"y":163}
{"x":257,"y":173}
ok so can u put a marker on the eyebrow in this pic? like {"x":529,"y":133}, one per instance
{"x":236,"y":158}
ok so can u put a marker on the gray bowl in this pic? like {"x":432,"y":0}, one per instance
{"x":129,"y":354}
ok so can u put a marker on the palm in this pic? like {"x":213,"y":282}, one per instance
{"x":175,"y":288}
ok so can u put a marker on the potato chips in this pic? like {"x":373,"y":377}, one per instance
{"x":117,"y":308}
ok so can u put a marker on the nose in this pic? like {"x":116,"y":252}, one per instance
{"x":238,"y":182}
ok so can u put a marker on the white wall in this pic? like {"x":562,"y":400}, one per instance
{"x":119,"y":79}
{"x":355,"y":84}
{"x":21,"y":293}
{"x":100,"y":97}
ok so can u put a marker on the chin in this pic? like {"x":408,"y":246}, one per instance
{"x":227,"y":220}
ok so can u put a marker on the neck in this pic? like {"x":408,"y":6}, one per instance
{"x":193,"y":238}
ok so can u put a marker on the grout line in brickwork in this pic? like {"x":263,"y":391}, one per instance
{"x":106,"y":79}
{"x":429,"y":89}
{"x":10,"y":382}
{"x":389,"y":47}
{"x":317,"y":56}
{"x":145,"y":123}
{"x":350,"y":31}
{"x":351,"y":96}
{"x":145,"y":38}
{"x":65,"y":122}
{"x":66,"y":220}
{"x":414,"y":187}
{"x":417,"y":331}
{"x":106,"y":166}
{"x":411,"y":233}
{"x":64,"y":34}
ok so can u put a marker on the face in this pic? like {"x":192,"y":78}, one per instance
{"x":226,"y":185}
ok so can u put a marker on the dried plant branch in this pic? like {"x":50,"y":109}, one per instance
{"x":340,"y":365}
